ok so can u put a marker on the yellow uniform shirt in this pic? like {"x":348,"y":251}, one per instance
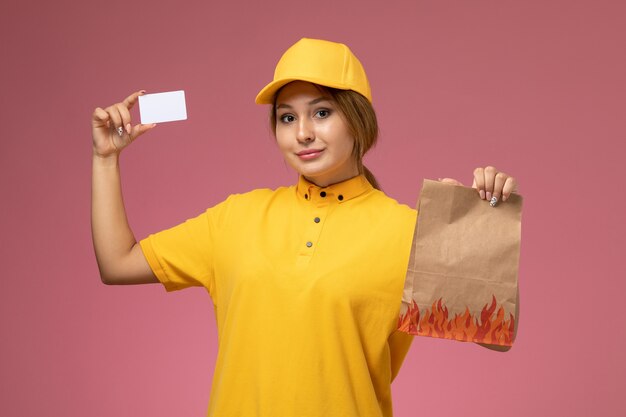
{"x":306,"y":284}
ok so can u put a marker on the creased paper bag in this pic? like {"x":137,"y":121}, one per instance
{"x":461,"y":281}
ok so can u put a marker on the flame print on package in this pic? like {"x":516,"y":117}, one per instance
{"x":490,"y":328}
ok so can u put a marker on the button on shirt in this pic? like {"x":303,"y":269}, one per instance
{"x":306,"y":284}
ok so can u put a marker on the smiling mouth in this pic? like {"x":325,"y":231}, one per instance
{"x":310,"y":153}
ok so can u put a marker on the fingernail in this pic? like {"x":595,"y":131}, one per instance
{"x":143,"y":91}
{"x":482,"y":194}
{"x":128,"y":128}
{"x":488,"y":195}
{"x":493,"y":202}
{"x":503,"y":197}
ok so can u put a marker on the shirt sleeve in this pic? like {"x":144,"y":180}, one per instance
{"x":399,"y":345}
{"x":183,"y":256}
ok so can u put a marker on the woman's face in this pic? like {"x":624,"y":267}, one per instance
{"x":313,"y":136}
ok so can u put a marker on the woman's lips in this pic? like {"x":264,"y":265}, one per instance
{"x":310,"y":154}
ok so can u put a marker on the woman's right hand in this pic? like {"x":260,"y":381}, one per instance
{"x":112,"y":130}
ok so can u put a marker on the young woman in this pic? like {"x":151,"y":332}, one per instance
{"x":306,"y":280}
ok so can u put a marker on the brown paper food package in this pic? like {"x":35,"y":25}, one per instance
{"x":461,"y":281}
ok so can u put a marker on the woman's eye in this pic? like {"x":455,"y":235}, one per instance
{"x":287,"y":118}
{"x":323,"y":113}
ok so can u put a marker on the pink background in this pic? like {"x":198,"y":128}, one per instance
{"x":535,"y":88}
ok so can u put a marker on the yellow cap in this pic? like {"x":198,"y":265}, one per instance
{"x":321,"y":62}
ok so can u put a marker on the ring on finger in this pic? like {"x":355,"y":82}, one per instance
{"x":120,"y":131}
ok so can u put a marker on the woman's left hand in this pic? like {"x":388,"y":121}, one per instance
{"x":490,"y":184}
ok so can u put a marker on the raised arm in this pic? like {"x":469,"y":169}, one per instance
{"x":119,"y":256}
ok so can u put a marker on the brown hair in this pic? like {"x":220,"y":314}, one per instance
{"x":360,"y":118}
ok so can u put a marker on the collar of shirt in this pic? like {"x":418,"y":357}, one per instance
{"x":340,"y":192}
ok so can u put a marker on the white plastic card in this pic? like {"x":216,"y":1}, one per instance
{"x":162,"y":107}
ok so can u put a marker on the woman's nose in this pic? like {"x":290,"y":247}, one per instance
{"x":305,"y":131}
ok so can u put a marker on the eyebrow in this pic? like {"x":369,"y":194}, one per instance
{"x":312,"y":102}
